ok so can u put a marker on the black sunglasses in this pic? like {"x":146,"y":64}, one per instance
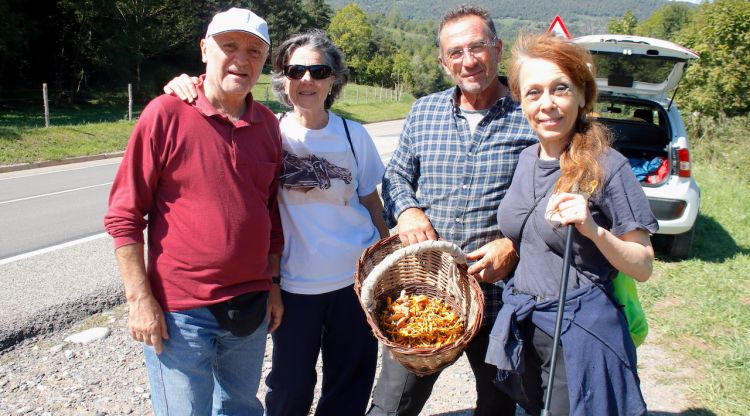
{"x":316,"y":71}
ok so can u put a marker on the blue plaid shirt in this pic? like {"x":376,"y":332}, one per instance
{"x":457,"y":178}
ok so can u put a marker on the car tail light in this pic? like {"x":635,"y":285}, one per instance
{"x":683,"y":163}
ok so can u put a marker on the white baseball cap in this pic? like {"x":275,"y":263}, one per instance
{"x":239,"y":20}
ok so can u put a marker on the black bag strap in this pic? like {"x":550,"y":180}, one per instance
{"x":523,"y":226}
{"x":349,"y":138}
{"x":537,"y":200}
{"x":526,"y":218}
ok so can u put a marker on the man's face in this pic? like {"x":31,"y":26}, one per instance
{"x":472,"y":72}
{"x":234,"y":61}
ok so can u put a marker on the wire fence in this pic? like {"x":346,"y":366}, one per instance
{"x":45,"y":107}
{"x":352,"y":94}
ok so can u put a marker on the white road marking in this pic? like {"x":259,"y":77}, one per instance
{"x":55,"y":193}
{"x":52,"y":248}
{"x":114,"y":161}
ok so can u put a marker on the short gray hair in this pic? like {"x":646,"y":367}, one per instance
{"x":466,"y":10}
{"x":314,"y":39}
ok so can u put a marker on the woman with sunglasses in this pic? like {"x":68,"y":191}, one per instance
{"x":330,"y":212}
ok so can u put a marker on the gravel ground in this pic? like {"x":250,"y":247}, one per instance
{"x":47,"y":376}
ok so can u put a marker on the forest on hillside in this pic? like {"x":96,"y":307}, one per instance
{"x":596,"y":12}
{"x":76,"y":45}
{"x":83,"y":47}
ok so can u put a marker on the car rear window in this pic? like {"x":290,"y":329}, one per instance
{"x":622,"y":70}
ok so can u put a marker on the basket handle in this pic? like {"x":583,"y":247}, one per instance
{"x":368,"y":286}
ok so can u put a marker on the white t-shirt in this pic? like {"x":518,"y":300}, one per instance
{"x":325,"y":226}
{"x":474,"y":117}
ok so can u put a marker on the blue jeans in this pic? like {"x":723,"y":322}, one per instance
{"x":334,"y":325}
{"x":203,"y":369}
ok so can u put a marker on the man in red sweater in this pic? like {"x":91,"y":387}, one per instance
{"x":203,"y":177}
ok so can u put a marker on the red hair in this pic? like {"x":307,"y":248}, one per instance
{"x":579,"y":163}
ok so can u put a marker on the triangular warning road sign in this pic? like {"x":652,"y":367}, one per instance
{"x":558,"y":27}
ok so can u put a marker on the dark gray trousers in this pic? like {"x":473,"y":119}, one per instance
{"x":402,"y":393}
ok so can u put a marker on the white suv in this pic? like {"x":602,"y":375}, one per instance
{"x":634,"y":75}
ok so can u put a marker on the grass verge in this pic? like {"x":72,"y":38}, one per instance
{"x":25,"y":145}
{"x":702,"y":305}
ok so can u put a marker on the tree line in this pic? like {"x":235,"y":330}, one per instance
{"x":82,"y":45}
{"x":77,"y":45}
{"x":718,"y":83}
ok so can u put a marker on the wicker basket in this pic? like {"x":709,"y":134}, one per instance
{"x":433,"y":268}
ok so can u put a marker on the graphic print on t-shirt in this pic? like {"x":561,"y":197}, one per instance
{"x":309,"y":172}
{"x":312,"y":175}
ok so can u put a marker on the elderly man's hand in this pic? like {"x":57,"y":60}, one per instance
{"x":414,"y":227}
{"x":146,"y":322}
{"x":183,"y":87}
{"x":494,"y":261}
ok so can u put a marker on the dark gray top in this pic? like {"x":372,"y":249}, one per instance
{"x":621,"y":206}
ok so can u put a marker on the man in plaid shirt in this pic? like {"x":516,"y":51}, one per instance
{"x":454,"y":162}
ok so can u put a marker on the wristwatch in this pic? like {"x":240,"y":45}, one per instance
{"x":276,"y":280}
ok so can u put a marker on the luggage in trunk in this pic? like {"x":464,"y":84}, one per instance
{"x":638,"y":140}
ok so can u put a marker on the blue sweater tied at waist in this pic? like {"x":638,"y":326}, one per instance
{"x":600,"y":358}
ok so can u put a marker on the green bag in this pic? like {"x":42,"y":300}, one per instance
{"x":626,"y":294}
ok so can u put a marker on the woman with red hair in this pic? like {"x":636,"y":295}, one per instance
{"x":572,"y":176}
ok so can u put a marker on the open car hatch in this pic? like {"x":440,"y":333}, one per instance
{"x":636,"y":65}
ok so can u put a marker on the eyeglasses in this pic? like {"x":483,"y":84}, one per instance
{"x":476,"y":48}
{"x":316,"y":71}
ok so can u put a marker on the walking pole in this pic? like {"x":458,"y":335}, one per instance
{"x":558,"y":321}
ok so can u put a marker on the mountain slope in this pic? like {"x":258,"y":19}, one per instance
{"x":580,"y":16}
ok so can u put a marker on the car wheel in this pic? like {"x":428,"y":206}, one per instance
{"x":678,"y":246}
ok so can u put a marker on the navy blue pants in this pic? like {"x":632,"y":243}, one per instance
{"x":335,"y":324}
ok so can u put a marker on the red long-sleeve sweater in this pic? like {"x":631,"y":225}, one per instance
{"x":209,"y":189}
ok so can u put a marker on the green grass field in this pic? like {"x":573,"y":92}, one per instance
{"x":101,"y":126}
{"x":700,"y":306}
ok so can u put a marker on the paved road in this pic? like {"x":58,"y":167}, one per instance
{"x":45,"y":207}
{"x":56,"y":264}
{"x":49,"y":206}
